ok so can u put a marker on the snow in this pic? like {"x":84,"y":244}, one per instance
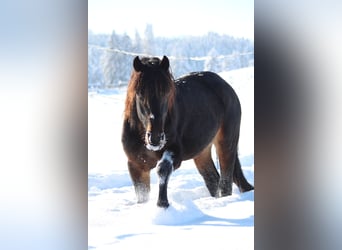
{"x":194,"y":218}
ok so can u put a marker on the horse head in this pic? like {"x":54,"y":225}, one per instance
{"x":154,"y":93}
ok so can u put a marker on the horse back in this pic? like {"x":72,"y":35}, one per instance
{"x":201,"y":94}
{"x":212,"y":84}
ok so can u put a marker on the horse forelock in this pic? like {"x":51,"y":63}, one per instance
{"x":153,"y":82}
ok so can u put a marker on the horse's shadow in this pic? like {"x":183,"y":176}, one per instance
{"x":207,"y":220}
{"x":224,"y":222}
{"x":200,"y":218}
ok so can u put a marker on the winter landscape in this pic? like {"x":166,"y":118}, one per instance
{"x":194,"y":219}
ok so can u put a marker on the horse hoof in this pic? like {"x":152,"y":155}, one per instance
{"x":143,"y":198}
{"x":163,"y":204}
{"x":142,"y":201}
{"x":247,"y":189}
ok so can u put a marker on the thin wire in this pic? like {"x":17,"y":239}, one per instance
{"x":196,"y":58}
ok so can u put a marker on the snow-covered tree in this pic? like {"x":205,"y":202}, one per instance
{"x":116,"y":70}
{"x":149,"y":43}
{"x":137,"y":45}
{"x":95,"y":67}
{"x":108,"y":67}
{"x":212,"y":63}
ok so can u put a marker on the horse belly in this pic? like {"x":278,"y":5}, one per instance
{"x":201,"y":113}
{"x":197,"y":137}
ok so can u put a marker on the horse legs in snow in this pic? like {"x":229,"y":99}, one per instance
{"x":227,"y":163}
{"x":226,"y":143}
{"x":164,"y":170}
{"x":230,"y":169}
{"x":239,"y":178}
{"x":141,"y":181}
{"x":206,"y":168}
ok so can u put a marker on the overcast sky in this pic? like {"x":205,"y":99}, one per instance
{"x":173,"y":18}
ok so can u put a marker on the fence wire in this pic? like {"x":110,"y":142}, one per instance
{"x":194,"y":58}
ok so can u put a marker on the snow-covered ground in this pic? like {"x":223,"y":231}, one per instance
{"x":194,"y":219}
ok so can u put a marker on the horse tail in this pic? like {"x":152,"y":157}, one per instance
{"x":239,"y":179}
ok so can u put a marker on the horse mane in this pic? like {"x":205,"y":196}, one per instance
{"x":160,"y":82}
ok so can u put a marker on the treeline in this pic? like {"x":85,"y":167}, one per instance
{"x":110,"y":56}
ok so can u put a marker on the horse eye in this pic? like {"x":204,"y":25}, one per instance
{"x":151,"y":116}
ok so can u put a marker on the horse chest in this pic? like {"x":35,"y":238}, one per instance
{"x":145,"y":158}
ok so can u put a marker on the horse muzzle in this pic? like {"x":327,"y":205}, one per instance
{"x":155,"y":141}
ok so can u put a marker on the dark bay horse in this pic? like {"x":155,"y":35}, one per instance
{"x":167,"y":121}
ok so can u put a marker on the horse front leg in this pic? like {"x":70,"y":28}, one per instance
{"x":164,"y":170}
{"x":141,"y":181}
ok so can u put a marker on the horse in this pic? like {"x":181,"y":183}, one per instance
{"x":167,"y":121}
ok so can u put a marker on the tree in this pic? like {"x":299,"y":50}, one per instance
{"x":95,"y":67}
{"x":212,"y":63}
{"x":137,"y":43}
{"x":110,"y":65}
{"x":117,"y":65}
{"x":148,"y":42}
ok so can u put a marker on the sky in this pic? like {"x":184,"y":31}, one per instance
{"x":173,"y":18}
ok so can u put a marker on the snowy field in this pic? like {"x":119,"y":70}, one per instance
{"x":194,"y":219}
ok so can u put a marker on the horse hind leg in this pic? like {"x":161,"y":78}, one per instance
{"x":227,"y":163}
{"x":230,"y":167}
{"x":239,"y":178}
{"x":206,"y":168}
{"x":226,"y":141}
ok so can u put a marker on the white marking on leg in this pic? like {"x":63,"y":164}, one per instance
{"x":167,"y":156}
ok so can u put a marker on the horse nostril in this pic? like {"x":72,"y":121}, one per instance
{"x":154,"y":139}
{"x":162,"y":136}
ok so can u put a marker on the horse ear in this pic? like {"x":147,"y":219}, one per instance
{"x":137,"y":64}
{"x":165,"y":64}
